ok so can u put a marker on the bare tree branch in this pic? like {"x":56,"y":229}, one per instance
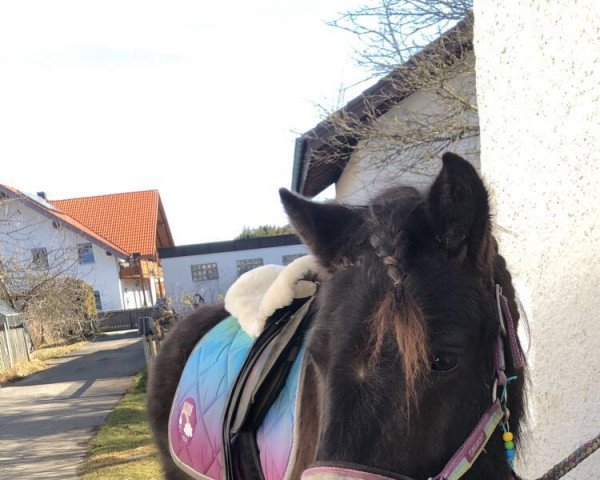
{"x":424,"y":48}
{"x":38,"y":279}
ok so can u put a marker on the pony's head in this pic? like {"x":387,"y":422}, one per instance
{"x":402,"y":343}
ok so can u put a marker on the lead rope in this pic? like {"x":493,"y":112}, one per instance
{"x":562,"y":468}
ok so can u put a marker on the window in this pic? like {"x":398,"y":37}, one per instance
{"x":287,"y":259}
{"x":248,"y":264}
{"x":98,"y":300}
{"x":205,"y":271}
{"x":85,"y":253}
{"x":39,"y":258}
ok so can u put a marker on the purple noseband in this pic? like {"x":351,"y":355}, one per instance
{"x":348,"y":471}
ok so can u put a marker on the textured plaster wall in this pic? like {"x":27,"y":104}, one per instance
{"x":538,"y":84}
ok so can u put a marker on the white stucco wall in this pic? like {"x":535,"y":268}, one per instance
{"x":374,"y":166}
{"x":178,"y":272}
{"x":137,"y":293}
{"x":34,"y":230}
{"x":538,"y":83}
{"x":102,"y":275}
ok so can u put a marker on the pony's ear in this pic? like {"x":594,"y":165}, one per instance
{"x":459,"y":209}
{"x":326,"y":228}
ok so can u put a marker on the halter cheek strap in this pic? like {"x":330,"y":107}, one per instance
{"x":465,"y":456}
{"x":496,"y":414}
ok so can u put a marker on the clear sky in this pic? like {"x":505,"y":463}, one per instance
{"x":201,"y":100}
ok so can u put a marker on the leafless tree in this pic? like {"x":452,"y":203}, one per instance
{"x":185,"y":300}
{"x":393,"y":31}
{"x":426,"y":100}
{"x":37,"y":280}
{"x":60,"y":310}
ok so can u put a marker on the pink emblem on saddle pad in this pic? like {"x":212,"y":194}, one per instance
{"x":187,"y":421}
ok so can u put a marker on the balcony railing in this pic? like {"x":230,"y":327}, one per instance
{"x":140,"y":269}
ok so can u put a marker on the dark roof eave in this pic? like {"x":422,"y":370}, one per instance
{"x":229,"y":246}
{"x":297,"y":171}
{"x":162,"y":215}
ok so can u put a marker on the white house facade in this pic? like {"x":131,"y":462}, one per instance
{"x":34,"y":238}
{"x":374,"y":166}
{"x":38,"y":236}
{"x":204,"y":272}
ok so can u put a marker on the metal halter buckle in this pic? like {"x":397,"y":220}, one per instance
{"x":499,"y":307}
{"x":495,"y":390}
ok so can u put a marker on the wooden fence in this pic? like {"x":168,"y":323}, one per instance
{"x":153,"y":335}
{"x":15,"y":344}
{"x":114,"y":320}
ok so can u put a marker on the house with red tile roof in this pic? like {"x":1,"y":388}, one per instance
{"x":109,"y":241}
{"x":137,"y":223}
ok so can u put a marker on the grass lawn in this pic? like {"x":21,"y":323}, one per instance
{"x":39,"y":361}
{"x":123,"y":449}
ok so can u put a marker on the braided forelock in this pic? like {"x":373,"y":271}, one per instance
{"x":398,"y":311}
{"x":387,"y":241}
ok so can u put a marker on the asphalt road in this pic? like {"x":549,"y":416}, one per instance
{"x":46,"y":418}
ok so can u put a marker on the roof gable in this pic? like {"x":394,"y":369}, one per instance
{"x":53,"y":212}
{"x":135,"y":221}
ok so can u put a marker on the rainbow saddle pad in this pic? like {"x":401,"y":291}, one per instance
{"x":234,"y":412}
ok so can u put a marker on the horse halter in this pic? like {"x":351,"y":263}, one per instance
{"x":497,"y":414}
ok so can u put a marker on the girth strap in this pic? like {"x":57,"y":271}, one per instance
{"x":257,"y":386}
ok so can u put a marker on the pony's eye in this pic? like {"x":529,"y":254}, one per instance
{"x":444,"y":362}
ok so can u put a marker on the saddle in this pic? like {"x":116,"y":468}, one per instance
{"x":235,"y":409}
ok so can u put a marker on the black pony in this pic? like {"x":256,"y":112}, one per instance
{"x":402,"y":341}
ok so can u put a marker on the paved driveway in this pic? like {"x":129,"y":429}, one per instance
{"x":46,"y":418}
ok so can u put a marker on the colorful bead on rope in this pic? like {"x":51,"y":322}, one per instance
{"x":507,"y":436}
{"x":509,"y":446}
